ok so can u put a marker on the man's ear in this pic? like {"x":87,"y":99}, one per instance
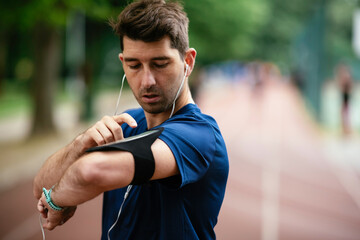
{"x":121,"y":57}
{"x":190,"y":56}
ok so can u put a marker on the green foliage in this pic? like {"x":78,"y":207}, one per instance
{"x":19,"y":15}
{"x":287,"y":19}
{"x":339,"y":29}
{"x":222,"y":30}
{"x":219,"y":30}
{"x":9,"y":14}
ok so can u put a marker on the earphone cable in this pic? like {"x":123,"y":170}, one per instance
{"x":178,"y":92}
{"x":118,"y":100}
{"x":42,"y":228}
{"x":121,"y":206}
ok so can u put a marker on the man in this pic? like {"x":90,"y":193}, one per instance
{"x":183,"y":196}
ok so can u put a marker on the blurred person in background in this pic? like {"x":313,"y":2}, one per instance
{"x":180,"y":198}
{"x":262,"y":74}
{"x":297,"y":79}
{"x":345,"y":83}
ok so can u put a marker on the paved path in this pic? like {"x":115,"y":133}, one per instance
{"x":284,"y":182}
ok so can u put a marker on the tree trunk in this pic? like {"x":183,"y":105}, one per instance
{"x":47,"y":59}
{"x":3,"y":52}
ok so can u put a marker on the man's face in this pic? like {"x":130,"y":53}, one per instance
{"x":154,"y":72}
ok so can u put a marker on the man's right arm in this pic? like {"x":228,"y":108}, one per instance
{"x":108,"y":129}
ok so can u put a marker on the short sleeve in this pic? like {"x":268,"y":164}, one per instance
{"x":193,"y":146}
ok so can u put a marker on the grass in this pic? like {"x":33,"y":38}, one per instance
{"x":14,"y":101}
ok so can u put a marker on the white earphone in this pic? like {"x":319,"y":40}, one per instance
{"x":178,"y":92}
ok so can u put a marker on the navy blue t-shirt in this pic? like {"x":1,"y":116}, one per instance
{"x":185,"y":206}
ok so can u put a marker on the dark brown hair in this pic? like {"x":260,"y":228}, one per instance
{"x":151,"y":20}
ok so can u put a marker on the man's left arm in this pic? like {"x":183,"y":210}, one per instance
{"x":97,"y":172}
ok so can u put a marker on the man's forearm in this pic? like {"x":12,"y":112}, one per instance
{"x":55,"y":167}
{"x":92,"y":175}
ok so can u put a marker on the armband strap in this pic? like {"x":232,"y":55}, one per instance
{"x":47,"y":194}
{"x":140,"y":147}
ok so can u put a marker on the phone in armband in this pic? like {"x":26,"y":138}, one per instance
{"x":140,"y":147}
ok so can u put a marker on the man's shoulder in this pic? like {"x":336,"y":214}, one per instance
{"x":135,"y":112}
{"x":191,"y":124}
{"x":193,"y":114}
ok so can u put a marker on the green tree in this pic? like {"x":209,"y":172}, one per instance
{"x":339,"y":32}
{"x":224,"y":30}
{"x":9,"y":12}
{"x":43,"y":23}
{"x":286,"y":21}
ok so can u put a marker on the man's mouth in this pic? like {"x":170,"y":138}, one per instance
{"x":150,"y":98}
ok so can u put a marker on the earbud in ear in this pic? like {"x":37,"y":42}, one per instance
{"x":187,"y":67}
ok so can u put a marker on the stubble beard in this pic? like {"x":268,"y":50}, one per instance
{"x":163,"y":105}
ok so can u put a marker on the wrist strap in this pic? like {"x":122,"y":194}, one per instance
{"x":47,"y":194}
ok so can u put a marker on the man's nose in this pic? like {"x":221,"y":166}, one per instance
{"x":148,"y":79}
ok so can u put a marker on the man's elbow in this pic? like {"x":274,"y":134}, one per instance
{"x":89,"y":170}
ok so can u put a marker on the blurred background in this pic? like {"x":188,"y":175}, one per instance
{"x":280,"y":77}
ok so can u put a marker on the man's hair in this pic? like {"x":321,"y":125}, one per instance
{"x":151,"y":20}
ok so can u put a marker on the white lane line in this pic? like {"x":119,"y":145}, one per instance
{"x":270,"y":204}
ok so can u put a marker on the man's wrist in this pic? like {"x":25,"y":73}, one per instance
{"x":49,"y":200}
{"x":78,"y":147}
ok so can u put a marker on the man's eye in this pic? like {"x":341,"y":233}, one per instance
{"x":134,"y":66}
{"x":162,"y":65}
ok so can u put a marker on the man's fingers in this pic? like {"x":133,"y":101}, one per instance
{"x":40,"y":206}
{"x":42,"y":209}
{"x":105,"y":132}
{"x":113,"y":124}
{"x":114,"y":127}
{"x":95,"y":136}
{"x":125,"y":118}
{"x":54,"y":219}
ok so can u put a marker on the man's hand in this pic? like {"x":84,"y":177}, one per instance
{"x":53,"y":218}
{"x":107,"y":130}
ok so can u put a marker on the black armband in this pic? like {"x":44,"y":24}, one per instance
{"x":140,"y":147}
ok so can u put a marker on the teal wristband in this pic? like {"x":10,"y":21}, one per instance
{"x":47,"y":194}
